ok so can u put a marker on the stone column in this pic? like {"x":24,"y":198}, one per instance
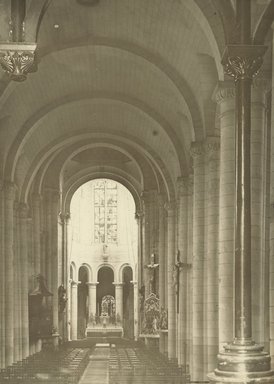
{"x":139,"y":219}
{"x":146,"y":239}
{"x":92,"y":299}
{"x":74,"y":310}
{"x":243,"y":360}
{"x":36,"y":214}
{"x":162,"y":265}
{"x":225,"y":97}
{"x":36,"y":220}
{"x":189,"y":331}
{"x":271,"y":231}
{"x":171,"y":299}
{"x":9,"y":194}
{"x":2,"y":279}
{"x":23,"y":221}
{"x":65,"y":267}
{"x":259,"y":254}
{"x":48,"y":222}
{"x":198,"y":370}
{"x":149,"y":232}
{"x":119,"y":301}
{"x":54,"y":259}
{"x":183,"y":208}
{"x":161,"y":251}
{"x":212,"y":147}
{"x":17,"y":286}
{"x":136,"y":305}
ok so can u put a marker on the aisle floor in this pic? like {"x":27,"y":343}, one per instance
{"x":129,"y":364}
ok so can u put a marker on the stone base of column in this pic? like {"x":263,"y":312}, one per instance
{"x":243,"y":363}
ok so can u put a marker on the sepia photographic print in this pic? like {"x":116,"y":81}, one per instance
{"x":136,"y":192}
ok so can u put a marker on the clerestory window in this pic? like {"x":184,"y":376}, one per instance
{"x":105,"y":212}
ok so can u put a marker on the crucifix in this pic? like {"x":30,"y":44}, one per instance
{"x":151,"y":271}
{"x":176,"y":276}
{"x":178,"y":266}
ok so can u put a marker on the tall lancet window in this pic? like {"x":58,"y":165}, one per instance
{"x":105,"y":212}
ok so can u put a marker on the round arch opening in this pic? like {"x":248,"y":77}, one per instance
{"x":103,"y":242}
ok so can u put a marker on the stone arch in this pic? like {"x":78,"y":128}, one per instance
{"x":121,"y":269}
{"x":89,"y":271}
{"x":105,"y":264}
{"x":97,"y":175}
{"x":31,"y":124}
{"x":148,"y":152}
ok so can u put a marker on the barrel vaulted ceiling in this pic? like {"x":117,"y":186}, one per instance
{"x":122,"y":89}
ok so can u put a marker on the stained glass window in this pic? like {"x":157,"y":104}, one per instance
{"x":105,"y":212}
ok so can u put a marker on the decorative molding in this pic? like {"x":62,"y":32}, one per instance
{"x":74,"y":284}
{"x":23,"y":211}
{"x":170,"y":207}
{"x":139,"y":214}
{"x":261,"y":84}
{"x":9,"y":190}
{"x":197,"y":149}
{"x":118,"y":284}
{"x":18,"y":59}
{"x":92,"y":284}
{"x":183,"y":185}
{"x":223,"y":91}
{"x":243,"y":61}
{"x":149,"y":196}
{"x":212,"y":145}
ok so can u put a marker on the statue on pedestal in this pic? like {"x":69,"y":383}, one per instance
{"x":163,"y":319}
{"x":151,"y":273}
{"x":62,"y":298}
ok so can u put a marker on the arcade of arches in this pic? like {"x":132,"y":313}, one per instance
{"x":171,"y":102}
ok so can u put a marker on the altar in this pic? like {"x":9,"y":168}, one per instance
{"x":105,"y":324}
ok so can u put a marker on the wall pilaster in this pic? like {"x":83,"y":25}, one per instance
{"x":212,"y":149}
{"x":23,"y":223}
{"x":198,"y":367}
{"x":171,"y":297}
{"x":9,"y":195}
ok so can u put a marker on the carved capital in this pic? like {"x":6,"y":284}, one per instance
{"x":197,"y":149}
{"x":170,"y":208}
{"x":74,"y":284}
{"x":64,"y":217}
{"x":224,"y":91}
{"x":92,"y":284}
{"x":212,"y":144}
{"x":139,"y":214}
{"x":243,"y":61}
{"x":118,"y":285}
{"x":262,"y":84}
{"x":9,"y":190}
{"x":23,"y":211}
{"x":17,"y":59}
{"x":182,"y":183}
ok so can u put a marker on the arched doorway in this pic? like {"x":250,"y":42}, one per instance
{"x":82,"y":302}
{"x":105,"y":286}
{"x":128,"y":303}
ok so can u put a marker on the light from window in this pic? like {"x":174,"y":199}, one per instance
{"x":105,"y":212}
